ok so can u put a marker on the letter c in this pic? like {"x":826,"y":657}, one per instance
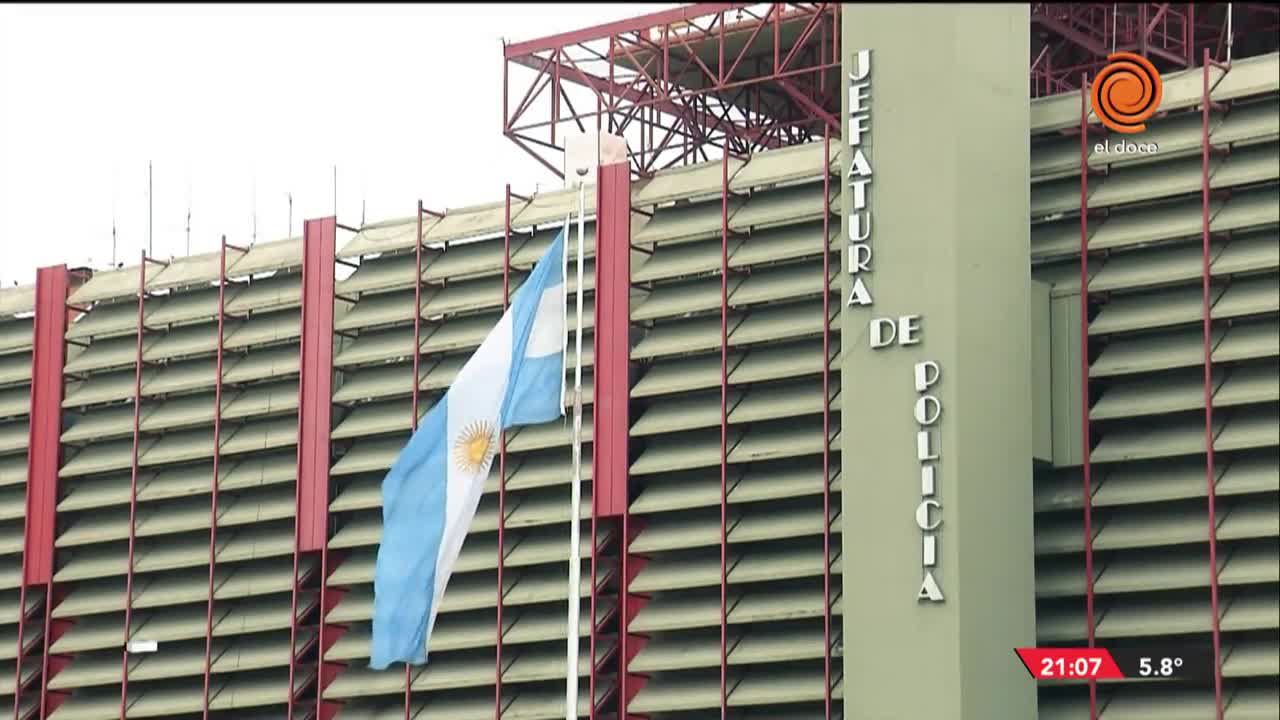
{"x":922,"y":515}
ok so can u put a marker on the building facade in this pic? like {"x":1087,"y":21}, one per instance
{"x":856,"y":389}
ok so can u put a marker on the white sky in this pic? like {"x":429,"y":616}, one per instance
{"x":232,"y":102}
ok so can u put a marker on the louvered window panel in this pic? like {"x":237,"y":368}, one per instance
{"x":253,"y":587}
{"x":1150,"y":519}
{"x":16,"y":306}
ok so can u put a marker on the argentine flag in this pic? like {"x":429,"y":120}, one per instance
{"x":429,"y":496}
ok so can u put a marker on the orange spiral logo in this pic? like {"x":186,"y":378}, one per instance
{"x":1127,"y":92}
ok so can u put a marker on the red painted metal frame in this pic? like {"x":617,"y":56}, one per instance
{"x":628,"y":66}
{"x":611,"y":432}
{"x":499,"y":630}
{"x":315,"y":393}
{"x":133,"y":483}
{"x":417,"y":381}
{"x":724,"y":431}
{"x":1084,"y":381}
{"x":1077,"y":37}
{"x":48,"y":355}
{"x":827,"y":131}
{"x":213,"y":483}
{"x":611,"y":423}
{"x":1207,"y":332}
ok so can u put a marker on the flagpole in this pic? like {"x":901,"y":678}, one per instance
{"x":564,"y":310}
{"x":575,"y":563}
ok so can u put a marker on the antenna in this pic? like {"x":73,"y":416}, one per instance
{"x":188,"y":215}
{"x":149,"y":215}
{"x":254,"y":203}
{"x":290,"y":233}
{"x":113,"y":224}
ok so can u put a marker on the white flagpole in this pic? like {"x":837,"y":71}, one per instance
{"x":564,"y":310}
{"x":575,"y":563}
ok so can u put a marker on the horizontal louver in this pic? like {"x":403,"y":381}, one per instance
{"x":16,"y":339}
{"x":252,"y":596}
{"x":1150,"y":519}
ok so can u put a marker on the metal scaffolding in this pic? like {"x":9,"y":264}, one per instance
{"x":1072,"y":39}
{"x":681,"y":85}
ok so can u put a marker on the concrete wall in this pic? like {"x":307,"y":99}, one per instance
{"x":948,"y":200}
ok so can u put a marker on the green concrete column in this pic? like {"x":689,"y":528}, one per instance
{"x":936,"y":364}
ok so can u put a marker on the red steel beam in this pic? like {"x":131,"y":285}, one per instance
{"x":502,"y":472}
{"x":1084,"y":379}
{"x":44,"y":448}
{"x":664,"y":104}
{"x":612,"y":351}
{"x":316,"y":381}
{"x":133,"y":489}
{"x":1207,"y":333}
{"x":611,"y":399}
{"x":213,"y":483}
{"x":315,"y":392}
{"x":417,"y":381}
{"x":639,"y":23}
{"x":826,"y":424}
{"x":724,"y":429}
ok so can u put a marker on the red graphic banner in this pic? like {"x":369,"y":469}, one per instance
{"x":1069,"y":663}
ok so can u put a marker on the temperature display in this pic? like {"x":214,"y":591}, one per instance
{"x":1163,"y":667}
{"x":1170,"y":663}
{"x":1165,"y":663}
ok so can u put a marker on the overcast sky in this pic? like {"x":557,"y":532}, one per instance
{"x":238,"y":106}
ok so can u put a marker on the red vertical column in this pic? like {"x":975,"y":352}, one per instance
{"x":1084,"y":380}
{"x":133,"y":481}
{"x":1207,"y":331}
{"x":217,"y":457}
{"x":502,"y":476}
{"x":315,"y":382}
{"x":724,"y":428}
{"x":43,"y":457}
{"x":417,"y":382}
{"x":315,"y":393}
{"x":611,"y":418}
{"x":826,"y":422}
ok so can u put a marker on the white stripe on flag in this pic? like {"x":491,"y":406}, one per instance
{"x":547,"y":336}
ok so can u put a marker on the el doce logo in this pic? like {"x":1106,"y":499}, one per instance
{"x":1126,"y":94}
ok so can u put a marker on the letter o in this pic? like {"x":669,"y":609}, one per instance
{"x":927,"y":410}
{"x":922,"y":515}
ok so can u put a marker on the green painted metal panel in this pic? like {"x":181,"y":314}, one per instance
{"x":1249,"y":76}
{"x":1250,"y":122}
{"x":265,"y":540}
{"x":249,"y":579}
{"x":262,"y":294}
{"x":272,"y":257}
{"x":13,"y":470}
{"x":15,"y":300}
{"x":1247,"y":208}
{"x":685,"y":223}
{"x":551,"y":206}
{"x":782,"y":207}
{"x":14,"y":368}
{"x":1252,"y":164}
{"x":684,"y":182}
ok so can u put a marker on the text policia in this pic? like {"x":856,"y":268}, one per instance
{"x":902,"y":331}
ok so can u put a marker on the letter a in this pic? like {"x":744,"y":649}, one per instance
{"x":929,"y":589}
{"x":860,"y":295}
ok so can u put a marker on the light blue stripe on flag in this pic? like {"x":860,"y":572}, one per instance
{"x":430,"y":495}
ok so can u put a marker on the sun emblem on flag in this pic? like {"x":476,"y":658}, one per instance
{"x":474,"y":448}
